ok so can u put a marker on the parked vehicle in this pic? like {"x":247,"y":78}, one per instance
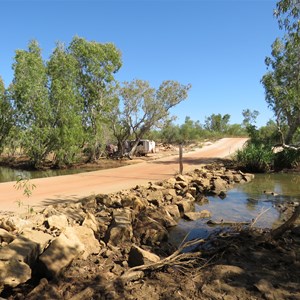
{"x":144,"y":147}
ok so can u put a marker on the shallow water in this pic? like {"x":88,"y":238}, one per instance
{"x":8,"y":174}
{"x":242,"y":204}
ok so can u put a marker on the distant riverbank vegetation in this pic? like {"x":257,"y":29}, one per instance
{"x":71,"y":106}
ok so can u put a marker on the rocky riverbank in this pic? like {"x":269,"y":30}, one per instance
{"x":115,"y":246}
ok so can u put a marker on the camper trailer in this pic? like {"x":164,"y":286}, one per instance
{"x":144,"y":147}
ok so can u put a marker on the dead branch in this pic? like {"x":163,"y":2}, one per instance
{"x":282,"y":138}
{"x":279,"y":231}
{"x":258,"y":217}
{"x":177,"y":258}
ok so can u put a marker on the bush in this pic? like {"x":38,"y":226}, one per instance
{"x":288,"y":158}
{"x":256,"y":158}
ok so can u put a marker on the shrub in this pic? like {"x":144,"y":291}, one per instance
{"x":256,"y":158}
{"x":288,"y":158}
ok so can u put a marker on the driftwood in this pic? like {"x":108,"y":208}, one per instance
{"x":178,"y":259}
{"x":289,"y":224}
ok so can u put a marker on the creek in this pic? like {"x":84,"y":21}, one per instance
{"x":9,"y":174}
{"x":244,"y":203}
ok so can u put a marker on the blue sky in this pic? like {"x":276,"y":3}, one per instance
{"x":218,"y":46}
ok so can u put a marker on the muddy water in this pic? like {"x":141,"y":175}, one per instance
{"x":8,"y":174}
{"x":244,"y":203}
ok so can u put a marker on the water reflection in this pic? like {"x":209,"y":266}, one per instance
{"x":244,"y":203}
{"x":8,"y":174}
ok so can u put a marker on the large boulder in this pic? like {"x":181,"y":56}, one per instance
{"x":109,"y":200}
{"x":61,"y":252}
{"x":134,"y":202}
{"x":162,"y":216}
{"x":21,"y":253}
{"x":185,"y":206}
{"x":155,"y":197}
{"x":170,"y":195}
{"x":149,"y":231}
{"x":173,"y":210}
{"x":13,"y":272}
{"x":41,"y":238}
{"x":219,"y":186}
{"x":193,"y":216}
{"x":87,"y":238}
{"x":120,"y":229}
{"x":57,"y":222}
{"x":22,"y":249}
{"x":15,"y":224}
{"x":5,"y":236}
{"x":91,"y":222}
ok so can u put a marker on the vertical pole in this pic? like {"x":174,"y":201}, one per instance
{"x":180,"y":159}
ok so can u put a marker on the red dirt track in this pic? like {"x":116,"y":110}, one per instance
{"x":59,"y":189}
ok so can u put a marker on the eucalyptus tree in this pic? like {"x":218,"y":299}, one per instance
{"x":97,"y":64}
{"x":282,"y":81}
{"x":282,"y":85}
{"x":66,"y":106}
{"x":170,"y":133}
{"x":287,"y":13}
{"x":30,"y":96}
{"x":217,"y":122}
{"x":144,"y":107}
{"x":190,"y":130}
{"x":249,"y":117}
{"x":6,"y":114}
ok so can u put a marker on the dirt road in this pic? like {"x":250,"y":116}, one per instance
{"x":59,"y":189}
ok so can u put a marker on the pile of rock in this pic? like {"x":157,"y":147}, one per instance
{"x":129,"y":227}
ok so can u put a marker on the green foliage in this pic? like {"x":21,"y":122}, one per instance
{"x":72,"y":105}
{"x":30,"y":95}
{"x":217,"y":122}
{"x":287,"y":13}
{"x":282,"y":81}
{"x":258,"y":155}
{"x":62,"y":106}
{"x":189,"y":131}
{"x":255,"y":158}
{"x":6,"y":115}
{"x":66,"y":105}
{"x":25,"y":186}
{"x":249,"y":116}
{"x":170,"y":134}
{"x":282,"y":84}
{"x":96,"y":65}
{"x":193,"y":131}
{"x":236,"y":130}
{"x":288,"y":158}
{"x":145,"y":108}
